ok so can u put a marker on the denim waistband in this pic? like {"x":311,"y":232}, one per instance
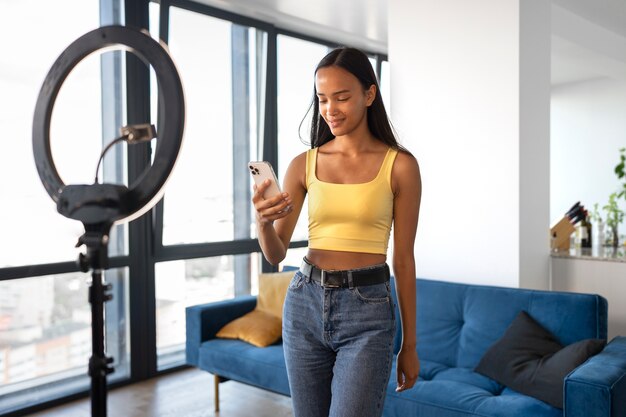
{"x":346,"y":278}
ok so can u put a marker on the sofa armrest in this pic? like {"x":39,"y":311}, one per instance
{"x":598,"y":387}
{"x":205,"y":320}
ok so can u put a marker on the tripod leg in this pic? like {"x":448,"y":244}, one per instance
{"x":98,"y":368}
{"x":98,"y":396}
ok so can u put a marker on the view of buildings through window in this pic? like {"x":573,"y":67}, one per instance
{"x":45,"y":327}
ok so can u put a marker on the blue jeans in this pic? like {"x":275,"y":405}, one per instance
{"x":338,"y":345}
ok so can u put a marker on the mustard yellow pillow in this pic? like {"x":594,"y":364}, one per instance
{"x":257,"y":328}
{"x":263,"y":325}
{"x":272,"y":291}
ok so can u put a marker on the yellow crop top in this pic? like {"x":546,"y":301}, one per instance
{"x":350,"y":217}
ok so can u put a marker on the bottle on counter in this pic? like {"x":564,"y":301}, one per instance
{"x":599,"y":234}
{"x":578,"y":236}
{"x":585,"y":231}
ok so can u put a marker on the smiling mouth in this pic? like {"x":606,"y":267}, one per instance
{"x":334,"y":123}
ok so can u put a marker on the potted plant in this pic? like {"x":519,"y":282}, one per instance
{"x":620,"y":171}
{"x":614,"y":216}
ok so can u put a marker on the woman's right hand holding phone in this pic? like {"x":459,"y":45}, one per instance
{"x":270,"y":209}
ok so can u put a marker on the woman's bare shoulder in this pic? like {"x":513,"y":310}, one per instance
{"x":299,"y":161}
{"x":297,"y":168}
{"x":406,"y":162}
{"x":405,"y":170}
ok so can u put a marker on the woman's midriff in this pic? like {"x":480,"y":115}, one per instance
{"x":328,"y":259}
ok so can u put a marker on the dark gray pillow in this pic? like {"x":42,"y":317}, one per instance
{"x":530,"y":360}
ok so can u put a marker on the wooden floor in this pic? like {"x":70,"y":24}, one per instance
{"x":187,"y":393}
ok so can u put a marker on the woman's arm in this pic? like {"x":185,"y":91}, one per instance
{"x":407,"y":187}
{"x":276,"y":217}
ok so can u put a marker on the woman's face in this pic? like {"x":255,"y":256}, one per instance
{"x":342,"y":101}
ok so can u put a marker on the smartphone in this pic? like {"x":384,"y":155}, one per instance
{"x":261,"y":171}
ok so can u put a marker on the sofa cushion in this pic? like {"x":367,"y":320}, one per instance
{"x":257,"y":327}
{"x":240,"y":361}
{"x":433,"y":371}
{"x":529,"y":359}
{"x":272,"y":291}
{"x":262,"y":326}
{"x":457,"y":323}
{"x":511,"y":403}
{"x":456,"y":392}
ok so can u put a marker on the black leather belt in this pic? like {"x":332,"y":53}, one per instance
{"x":341,"y":279}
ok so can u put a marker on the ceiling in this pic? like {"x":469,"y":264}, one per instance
{"x":363,"y":23}
{"x":588,"y":40}
{"x":360,"y":23}
{"x":610,"y":14}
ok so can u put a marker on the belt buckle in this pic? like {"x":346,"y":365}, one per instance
{"x":323,"y":280}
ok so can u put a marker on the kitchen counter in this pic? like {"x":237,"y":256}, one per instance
{"x":600,"y":271}
{"x":603,"y":253}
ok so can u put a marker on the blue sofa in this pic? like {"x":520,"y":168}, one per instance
{"x":456,"y":324}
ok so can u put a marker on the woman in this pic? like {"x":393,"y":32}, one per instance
{"x":339,"y":323}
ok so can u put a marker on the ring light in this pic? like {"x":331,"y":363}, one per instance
{"x":119,"y":202}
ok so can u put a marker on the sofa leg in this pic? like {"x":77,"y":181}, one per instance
{"x":216,"y":383}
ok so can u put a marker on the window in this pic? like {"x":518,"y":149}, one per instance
{"x":385,"y":86}
{"x":76,"y":128}
{"x":45,"y":342}
{"x":210,"y":186}
{"x":187,"y":282}
{"x":297,"y":60}
{"x":45,"y":320}
{"x":222,"y":65}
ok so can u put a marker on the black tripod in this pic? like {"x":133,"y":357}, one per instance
{"x":95,"y":206}
{"x":99,"y":206}
{"x":99,"y":363}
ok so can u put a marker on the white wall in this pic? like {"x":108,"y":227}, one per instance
{"x":455,"y":93}
{"x":534,"y":144}
{"x":588,"y":129}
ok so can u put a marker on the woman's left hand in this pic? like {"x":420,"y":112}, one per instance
{"x":408,"y":368}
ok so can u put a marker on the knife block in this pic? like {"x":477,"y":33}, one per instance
{"x":561,"y":233}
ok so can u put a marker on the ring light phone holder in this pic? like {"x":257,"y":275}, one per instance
{"x":99,"y":206}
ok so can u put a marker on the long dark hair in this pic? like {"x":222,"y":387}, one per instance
{"x":358,"y":64}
